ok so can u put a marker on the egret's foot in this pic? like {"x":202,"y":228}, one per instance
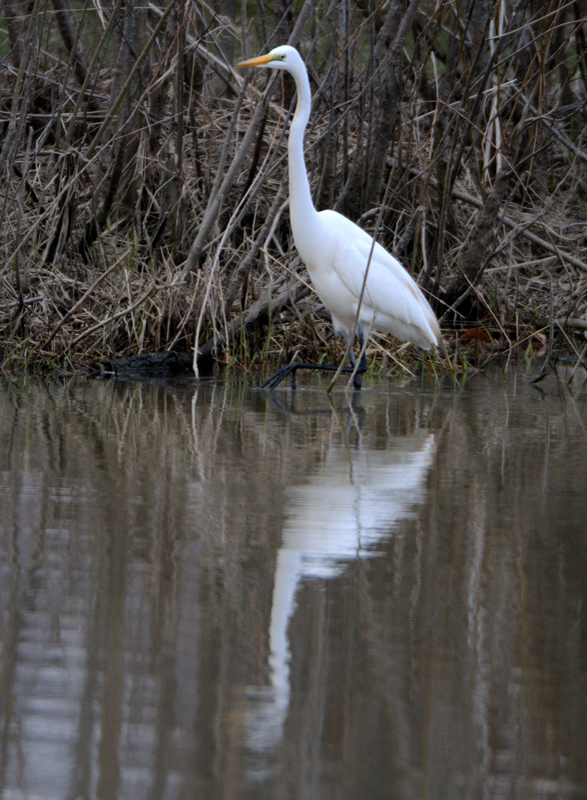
{"x":291,"y":369}
{"x":281,"y":374}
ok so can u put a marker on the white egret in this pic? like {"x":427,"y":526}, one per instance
{"x":337,"y":252}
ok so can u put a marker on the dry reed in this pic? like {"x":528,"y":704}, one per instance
{"x":143,"y":181}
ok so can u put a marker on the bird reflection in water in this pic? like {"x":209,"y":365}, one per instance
{"x":354,"y":500}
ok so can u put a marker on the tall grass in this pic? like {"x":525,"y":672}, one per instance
{"x":143,"y":194}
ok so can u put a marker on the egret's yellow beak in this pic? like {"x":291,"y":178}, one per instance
{"x":260,"y":61}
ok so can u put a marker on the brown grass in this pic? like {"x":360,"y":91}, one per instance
{"x":143,"y":181}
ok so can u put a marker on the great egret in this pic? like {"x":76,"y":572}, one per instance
{"x":337,"y":252}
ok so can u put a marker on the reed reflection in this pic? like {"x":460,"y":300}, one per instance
{"x":161,"y":553}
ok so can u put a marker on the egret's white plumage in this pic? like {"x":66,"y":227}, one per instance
{"x":337,"y":252}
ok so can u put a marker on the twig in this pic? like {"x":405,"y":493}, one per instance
{"x":459,"y":194}
{"x":257,"y":310}
{"x":83,"y":298}
{"x":114,"y":317}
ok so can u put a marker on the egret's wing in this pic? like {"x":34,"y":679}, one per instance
{"x":391,"y":293}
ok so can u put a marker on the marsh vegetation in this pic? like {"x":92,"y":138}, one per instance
{"x":143,"y":194}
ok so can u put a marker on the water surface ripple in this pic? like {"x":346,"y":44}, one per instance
{"x":221,"y":593}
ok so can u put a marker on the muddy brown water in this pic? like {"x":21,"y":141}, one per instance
{"x":221,"y":593}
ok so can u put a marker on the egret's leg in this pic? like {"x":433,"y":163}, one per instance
{"x":291,"y":369}
{"x":362,"y":365}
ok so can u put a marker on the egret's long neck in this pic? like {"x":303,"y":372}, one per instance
{"x":301,"y":207}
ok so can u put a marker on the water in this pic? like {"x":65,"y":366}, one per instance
{"x":220,"y":594}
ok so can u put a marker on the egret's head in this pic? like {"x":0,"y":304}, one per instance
{"x":283,"y":57}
